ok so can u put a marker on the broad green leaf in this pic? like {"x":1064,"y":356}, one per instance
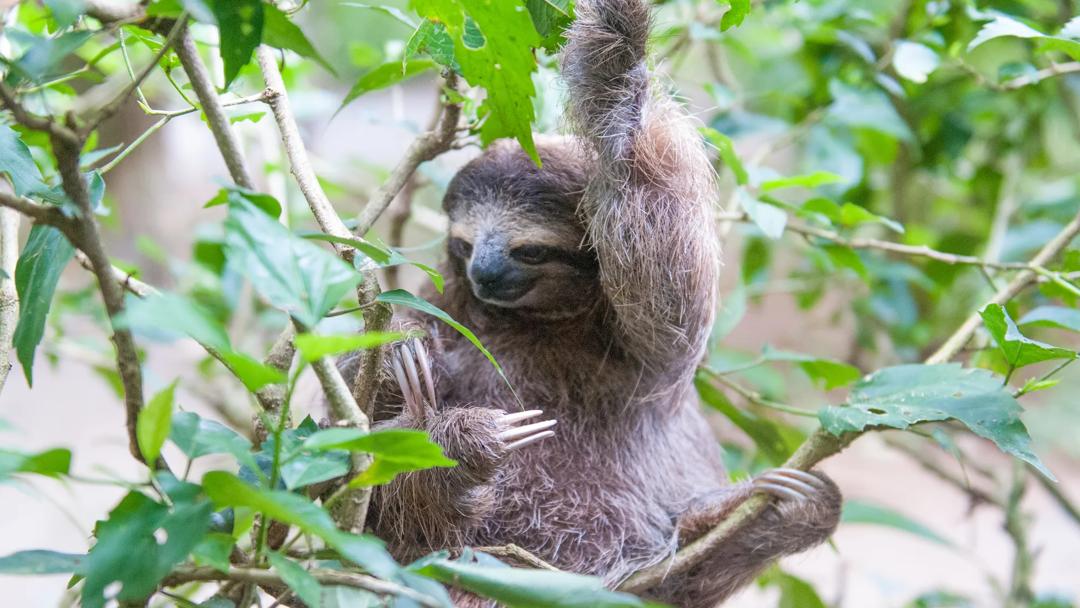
{"x":794,"y":591}
{"x":828,"y":373}
{"x":865,"y":108}
{"x":550,"y":18}
{"x":214,"y":551}
{"x":38,"y":561}
{"x":37,"y":272}
{"x":167,"y":316}
{"x":726,"y":149}
{"x":762,"y":430}
{"x":49,"y":463}
{"x":432,"y":38}
{"x":811,"y":180}
{"x":1053,"y":316}
{"x":1019,"y":350}
{"x":1003,"y":25}
{"x":269,"y":205}
{"x":313,"y":347}
{"x":846,"y":257}
{"x":42,"y":60}
{"x":901,"y":396}
{"x":396,"y":451}
{"x":770,"y":219}
{"x":297,"y":578}
{"x":386,"y":75}
{"x":382,"y":255}
{"x":280,"y":32}
{"x":914,"y":61}
{"x":227,"y":490}
{"x":735,"y":15}
{"x":503,"y":64}
{"x":240,"y":23}
{"x":291,"y":273}
{"x":854,"y":215}
{"x":404,"y":298}
{"x":523,"y":588}
{"x":141,"y":542}
{"x":17,"y":163}
{"x":858,"y":512}
{"x":254,"y":374}
{"x":196,"y":436}
{"x":65,"y":12}
{"x":154,"y":422}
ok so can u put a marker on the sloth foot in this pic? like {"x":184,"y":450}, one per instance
{"x":789,"y":484}
{"x":412,"y":370}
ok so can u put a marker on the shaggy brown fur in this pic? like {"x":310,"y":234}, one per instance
{"x":605,"y":339}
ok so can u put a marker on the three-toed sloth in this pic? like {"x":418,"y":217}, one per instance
{"x":593,"y":280}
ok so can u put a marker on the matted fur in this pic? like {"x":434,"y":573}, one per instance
{"x":633,"y":471}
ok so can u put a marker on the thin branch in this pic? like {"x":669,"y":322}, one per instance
{"x":932,"y":465}
{"x":755,"y":397}
{"x":185,"y":574}
{"x":9,"y":299}
{"x":33,"y":121}
{"x":515,"y":552}
{"x":822,"y":444}
{"x":1057,"y":69}
{"x":42,"y":214}
{"x":218,"y":122}
{"x":1020,"y":593}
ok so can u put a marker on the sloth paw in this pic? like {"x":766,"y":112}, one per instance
{"x":790,"y":484}
{"x":517,"y":437}
{"x":412,"y":370}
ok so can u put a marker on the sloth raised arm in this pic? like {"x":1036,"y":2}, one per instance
{"x":647,"y":204}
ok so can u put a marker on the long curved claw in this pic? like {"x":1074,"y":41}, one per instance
{"x":406,"y":388}
{"x":790,"y":482}
{"x":519,"y":416}
{"x":425,"y":370}
{"x":781,"y":492}
{"x":408,"y":359}
{"x":528,"y":429}
{"x":520,"y":443}
{"x":808,"y":478}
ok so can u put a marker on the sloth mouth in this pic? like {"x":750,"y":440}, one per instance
{"x":501,"y":294}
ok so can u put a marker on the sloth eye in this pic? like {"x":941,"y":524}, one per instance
{"x":460,"y":248}
{"x":532,"y":254}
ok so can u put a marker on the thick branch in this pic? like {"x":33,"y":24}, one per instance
{"x":326,"y":577}
{"x":226,"y":139}
{"x":822,"y":444}
{"x":42,"y":214}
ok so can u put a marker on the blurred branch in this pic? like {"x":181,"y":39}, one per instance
{"x":931,"y":464}
{"x":216,"y":118}
{"x":110,"y":12}
{"x":41,"y":214}
{"x":821,"y":444}
{"x":9,"y":299}
{"x":186,"y":574}
{"x":1058,"y":494}
{"x":1056,"y":69}
{"x":1020,"y":593}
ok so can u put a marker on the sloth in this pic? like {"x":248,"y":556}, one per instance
{"x":592,"y":278}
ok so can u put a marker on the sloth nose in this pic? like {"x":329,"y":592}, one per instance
{"x":488,"y":270}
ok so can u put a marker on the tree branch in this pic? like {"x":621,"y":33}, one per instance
{"x":218,"y":122}
{"x":185,"y":574}
{"x":821,"y":444}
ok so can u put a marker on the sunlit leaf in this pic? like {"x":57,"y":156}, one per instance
{"x":154,"y":422}
{"x":313,"y":347}
{"x":387,"y":74}
{"x":395,"y":450}
{"x":914,"y":61}
{"x":1019,"y":350}
{"x":726,"y":149}
{"x":280,"y":32}
{"x":49,"y":463}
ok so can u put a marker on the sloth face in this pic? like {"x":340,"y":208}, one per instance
{"x":514,"y":233}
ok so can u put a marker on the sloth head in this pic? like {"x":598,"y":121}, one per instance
{"x":515,"y":236}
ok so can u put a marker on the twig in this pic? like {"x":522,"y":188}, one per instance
{"x":929,"y":463}
{"x":42,"y":214}
{"x":754,"y":396}
{"x":1020,"y":593}
{"x":9,"y":299}
{"x":822,"y":444}
{"x":515,"y":552}
{"x":218,"y":122}
{"x":1057,"y":69}
{"x":33,"y":121}
{"x":185,"y":574}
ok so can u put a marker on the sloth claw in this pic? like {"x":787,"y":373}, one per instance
{"x":788,"y":484}
{"x":412,"y":370}
{"x":527,"y":434}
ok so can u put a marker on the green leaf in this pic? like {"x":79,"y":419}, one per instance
{"x":382,"y":255}
{"x":1053,"y":316}
{"x":254,"y":374}
{"x":771,"y":220}
{"x":404,"y":298}
{"x":1018,"y":349}
{"x":846,"y":257}
{"x":433,"y":39}
{"x":297,"y":578}
{"x":37,"y":562}
{"x":280,"y":32}
{"x":828,"y":373}
{"x":337,"y":596}
{"x":66,"y":12}
{"x":142,"y":540}
{"x":313,"y":347}
{"x":762,"y":430}
{"x":811,"y":180}
{"x":153,"y":424}
{"x":291,"y":273}
{"x":49,"y":463}
{"x":726,"y":149}
{"x":914,"y":61}
{"x":503,"y":64}
{"x":240,"y":23}
{"x":858,"y":512}
{"x":854,"y":215}
{"x":903,"y":395}
{"x":37,"y":272}
{"x":167,"y":316}
{"x":794,"y":591}
{"x":386,"y":75}
{"x":523,"y":588}
{"x":391,"y":11}
{"x":735,"y":15}
{"x":550,"y":18}
{"x":214,"y":551}
{"x":226,"y":490}
{"x":866,"y":109}
{"x":269,"y":205}
{"x":197,"y":436}
{"x":396,"y":451}
{"x":42,"y":60}
{"x":17,"y":163}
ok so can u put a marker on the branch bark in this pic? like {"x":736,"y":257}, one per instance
{"x":821,"y":444}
